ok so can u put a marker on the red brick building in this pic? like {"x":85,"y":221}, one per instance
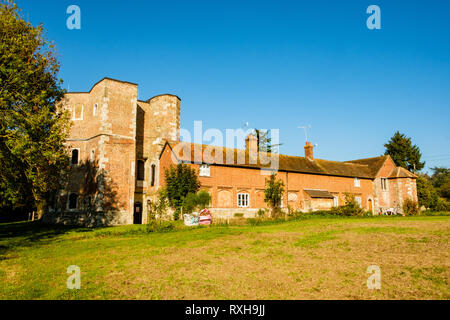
{"x":310,"y":184}
{"x":131,"y":142}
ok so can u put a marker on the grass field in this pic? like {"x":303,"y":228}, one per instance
{"x":319,"y":258}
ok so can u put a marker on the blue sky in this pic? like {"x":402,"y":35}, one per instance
{"x":274,"y":64}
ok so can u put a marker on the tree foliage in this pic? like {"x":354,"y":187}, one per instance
{"x":426,"y":193}
{"x":180,"y":181}
{"x":404,"y":153}
{"x":32,"y":130}
{"x":441,"y":181}
{"x":33,"y":158}
{"x":273,"y":193}
{"x":192,"y":201}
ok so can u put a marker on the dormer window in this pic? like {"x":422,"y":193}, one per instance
{"x":205,"y":170}
{"x":357,"y":182}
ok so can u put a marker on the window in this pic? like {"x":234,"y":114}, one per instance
{"x":77,"y":112}
{"x":75,"y":156}
{"x":73,"y":201}
{"x":205,"y":170}
{"x":357,"y":183}
{"x":384,"y":184}
{"x":358,"y":200}
{"x":141,"y":170}
{"x":153,"y":175}
{"x":92,"y":158}
{"x":335,"y":201}
{"x":94,"y":110}
{"x":243,"y":200}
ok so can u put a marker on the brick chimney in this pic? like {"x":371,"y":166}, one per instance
{"x":309,"y":151}
{"x":251,"y":144}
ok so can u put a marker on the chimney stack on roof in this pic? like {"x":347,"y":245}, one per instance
{"x":309,"y":150}
{"x":251,"y":144}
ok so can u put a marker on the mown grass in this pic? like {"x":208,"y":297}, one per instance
{"x":309,"y":258}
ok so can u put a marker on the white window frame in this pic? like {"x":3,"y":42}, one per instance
{"x":71,"y":156}
{"x":243,"y":200}
{"x":359,"y":201}
{"x":74,"y":113}
{"x":205,"y":170}
{"x":357,"y":182}
{"x":335,"y":201}
{"x":386,"y":185}
{"x":94,"y":110}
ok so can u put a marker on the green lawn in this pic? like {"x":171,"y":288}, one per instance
{"x":319,"y":258}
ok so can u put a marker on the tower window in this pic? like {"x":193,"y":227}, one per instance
{"x":153,"y":175}
{"x":75,"y":156}
{"x":73,"y":201}
{"x":141,"y":170}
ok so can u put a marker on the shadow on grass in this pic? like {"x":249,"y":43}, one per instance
{"x":28,"y":234}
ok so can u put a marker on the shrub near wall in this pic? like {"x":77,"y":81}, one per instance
{"x":410,"y":207}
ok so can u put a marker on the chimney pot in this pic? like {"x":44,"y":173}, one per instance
{"x":251,"y":144}
{"x":309,"y":151}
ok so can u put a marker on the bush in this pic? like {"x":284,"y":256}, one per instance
{"x":192,"y":201}
{"x":351,"y":208}
{"x":189,"y":203}
{"x":203,"y":199}
{"x":410,"y":207}
{"x":160,"y":226}
{"x":442,"y":205}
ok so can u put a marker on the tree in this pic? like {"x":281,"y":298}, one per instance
{"x":426,"y":193}
{"x":265,"y":141}
{"x":404,"y":153}
{"x":32,"y":130}
{"x":274,"y":193}
{"x":180,"y":181}
{"x":441,"y":181}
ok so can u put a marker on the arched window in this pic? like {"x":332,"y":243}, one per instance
{"x":73,"y":201}
{"x":75,"y":156}
{"x":153,"y":175}
{"x":141,"y":170}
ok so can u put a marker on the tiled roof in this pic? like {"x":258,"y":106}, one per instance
{"x":365,"y":168}
{"x":322,"y":194}
{"x":400,"y":172}
{"x":374,"y":164}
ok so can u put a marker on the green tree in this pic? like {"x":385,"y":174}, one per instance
{"x":203,"y":199}
{"x":274,"y":193}
{"x":426,"y":193}
{"x":404,"y":153}
{"x":265,"y":141}
{"x":180,"y":181}
{"x":441,"y":181}
{"x":33,"y":158}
